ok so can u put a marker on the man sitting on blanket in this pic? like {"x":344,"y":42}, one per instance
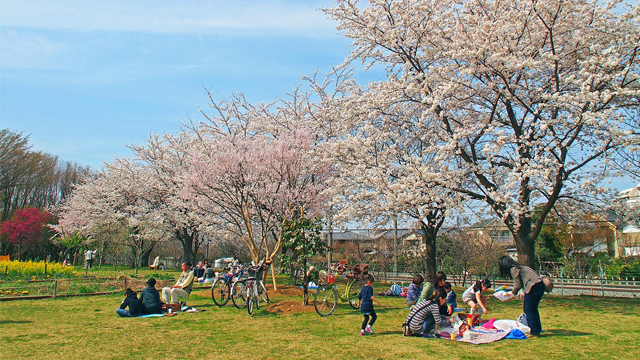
{"x":182,"y":287}
{"x":150,"y":299}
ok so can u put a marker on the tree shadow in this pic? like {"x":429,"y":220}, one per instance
{"x":2,"y":322}
{"x":385,"y":333}
{"x":564,"y":332}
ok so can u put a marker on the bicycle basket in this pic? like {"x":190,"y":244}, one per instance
{"x":256,"y":271}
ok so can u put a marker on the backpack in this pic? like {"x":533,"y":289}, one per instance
{"x":522,"y":319}
{"x":395,"y":289}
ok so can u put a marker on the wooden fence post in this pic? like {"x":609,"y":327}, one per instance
{"x":55,"y":288}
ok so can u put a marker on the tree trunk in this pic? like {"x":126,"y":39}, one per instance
{"x":305,"y":284}
{"x":187,"y":242}
{"x":144,"y":258}
{"x":429,"y":240}
{"x":525,"y":244}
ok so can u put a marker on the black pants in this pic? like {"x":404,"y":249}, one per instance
{"x":530,"y":307}
{"x":366,"y":319}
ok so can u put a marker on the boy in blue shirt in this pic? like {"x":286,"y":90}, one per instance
{"x":451,"y":297}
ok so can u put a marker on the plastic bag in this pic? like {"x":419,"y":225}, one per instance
{"x":502,"y":295}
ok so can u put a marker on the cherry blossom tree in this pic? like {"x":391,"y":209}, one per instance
{"x":166,"y":158}
{"x":112,"y":202}
{"x":250,"y":180}
{"x":383,"y":174}
{"x":521,"y":102}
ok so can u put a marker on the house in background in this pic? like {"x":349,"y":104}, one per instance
{"x":629,"y":242}
{"x":493,"y":230}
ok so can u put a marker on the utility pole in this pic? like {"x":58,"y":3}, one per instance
{"x":330,"y":246}
{"x":395,"y":245}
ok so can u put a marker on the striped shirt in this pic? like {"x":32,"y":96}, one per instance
{"x":421,"y":311}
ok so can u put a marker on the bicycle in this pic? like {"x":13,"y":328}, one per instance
{"x":239,"y":291}
{"x":326,"y":297}
{"x":256,"y":288}
{"x":221,"y":287}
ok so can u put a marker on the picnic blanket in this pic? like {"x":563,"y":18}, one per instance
{"x":182,"y":309}
{"x":150,"y":315}
{"x":482,"y":335}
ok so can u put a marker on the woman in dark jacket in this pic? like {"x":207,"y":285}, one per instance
{"x":525,"y":278}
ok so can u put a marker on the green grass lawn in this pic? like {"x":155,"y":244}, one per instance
{"x":87,"y":327}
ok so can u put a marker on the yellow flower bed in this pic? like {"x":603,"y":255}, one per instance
{"x":33,"y":270}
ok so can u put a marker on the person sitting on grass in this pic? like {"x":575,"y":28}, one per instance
{"x":413,"y":293}
{"x":451,"y":296}
{"x":150,"y":299}
{"x":474,"y":298}
{"x":425,"y":315}
{"x":183,"y":286}
{"x":131,"y":301}
{"x":208,"y":276}
{"x":430,"y":289}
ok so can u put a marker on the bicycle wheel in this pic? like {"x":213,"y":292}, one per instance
{"x":325,"y":300}
{"x":253,"y":303}
{"x":220,"y":292}
{"x":353,"y":293}
{"x":239,"y":294}
{"x":263,"y":292}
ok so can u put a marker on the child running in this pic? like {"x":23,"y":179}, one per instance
{"x":474,"y":298}
{"x":365,"y":300}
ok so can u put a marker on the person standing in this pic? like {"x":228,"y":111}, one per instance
{"x":527,"y":279}
{"x":182,"y":287}
{"x":150,"y":299}
{"x":88,"y":258}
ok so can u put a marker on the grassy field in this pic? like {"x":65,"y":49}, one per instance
{"x":87,"y":327}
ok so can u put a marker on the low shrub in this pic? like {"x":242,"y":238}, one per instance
{"x":15,"y":269}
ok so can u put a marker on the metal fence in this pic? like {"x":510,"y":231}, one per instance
{"x":41,"y":289}
{"x":563,"y":286}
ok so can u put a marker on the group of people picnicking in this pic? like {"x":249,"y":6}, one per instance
{"x":150,"y":302}
{"x":432,"y":303}
{"x":435,"y":302}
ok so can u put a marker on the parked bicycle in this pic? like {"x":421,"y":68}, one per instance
{"x":221,"y":287}
{"x":326,"y":297}
{"x":247,"y":291}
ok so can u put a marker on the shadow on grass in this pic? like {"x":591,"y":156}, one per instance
{"x":623,"y":306}
{"x":385,"y":333}
{"x":564,"y":333}
{"x":3,"y":322}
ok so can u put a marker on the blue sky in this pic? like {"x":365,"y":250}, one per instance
{"x":85,"y":78}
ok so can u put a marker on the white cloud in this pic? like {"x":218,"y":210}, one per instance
{"x":162,"y":16}
{"x":28,"y":50}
